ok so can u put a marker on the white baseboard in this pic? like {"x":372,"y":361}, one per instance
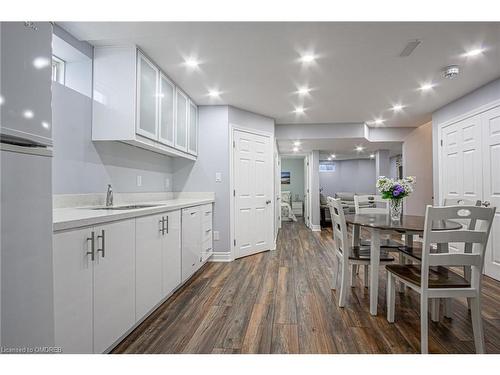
{"x":316,"y":228}
{"x":221,"y":257}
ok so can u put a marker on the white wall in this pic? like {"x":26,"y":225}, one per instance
{"x":296,"y":168}
{"x":482,"y":96}
{"x":83,"y":166}
{"x":213,"y":157}
{"x":357,"y":176}
{"x":417,"y":161}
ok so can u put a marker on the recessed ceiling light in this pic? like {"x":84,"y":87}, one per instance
{"x":28,"y":114}
{"x":295,"y":149}
{"x":299,"y":110}
{"x":296,"y":143}
{"x":359,"y":148}
{"x":372,"y":156}
{"x":303,"y":90}
{"x":214,"y":93}
{"x":474,"y":52}
{"x":307,"y":58}
{"x":397,"y":107}
{"x":379,"y":121}
{"x":426,"y":86}
{"x":329,"y":158}
{"x":45,"y":124}
{"x":192,"y":63}
{"x":41,"y":62}
{"x":333,"y":156}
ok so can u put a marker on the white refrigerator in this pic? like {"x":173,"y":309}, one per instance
{"x":26,"y":188}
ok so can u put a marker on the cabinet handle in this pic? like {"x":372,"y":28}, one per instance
{"x":103,"y":243}
{"x":161,"y":225}
{"x":208,"y":230}
{"x":92,"y":246}
{"x":207,"y":213}
{"x":193,"y":213}
{"x":162,"y":221}
{"x":167,"y":224}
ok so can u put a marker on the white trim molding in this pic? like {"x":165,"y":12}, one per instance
{"x":316,"y":228}
{"x":220,"y":256}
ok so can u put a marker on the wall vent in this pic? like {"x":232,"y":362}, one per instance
{"x":409,"y":48}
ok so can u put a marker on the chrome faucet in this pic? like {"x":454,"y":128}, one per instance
{"x":109,"y":196}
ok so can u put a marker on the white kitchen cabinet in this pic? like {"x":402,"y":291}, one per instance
{"x":158,"y":259}
{"x":94,"y":299}
{"x":148,"y":258}
{"x":166,"y":111}
{"x":147,"y":97}
{"x":135,"y":103}
{"x":181,"y":120}
{"x":193,"y":129}
{"x":73,"y":290}
{"x":196,"y":238}
{"x":171,"y":253}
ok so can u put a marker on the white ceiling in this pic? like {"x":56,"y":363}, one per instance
{"x":357,"y":76}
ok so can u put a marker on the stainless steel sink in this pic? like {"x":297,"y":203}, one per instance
{"x":127,"y":207}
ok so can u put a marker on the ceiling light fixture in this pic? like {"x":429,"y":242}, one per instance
{"x":372,"y":156}
{"x":451,"y":71}
{"x":379,"y":121}
{"x":41,"y":62}
{"x":307,"y":58}
{"x":329,"y":158}
{"x":192,"y":63}
{"x":299,"y":110}
{"x":333,"y":156}
{"x":214,"y":93}
{"x":474,"y":52}
{"x":359,"y":148}
{"x":295,"y":149}
{"x":304,"y":90}
{"x":296,"y":143}
{"x":397,"y":107}
{"x":426,"y":86}
{"x":28,"y":114}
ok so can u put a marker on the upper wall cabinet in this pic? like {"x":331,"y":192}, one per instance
{"x":136,"y":103}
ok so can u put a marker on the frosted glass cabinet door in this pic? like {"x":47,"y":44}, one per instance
{"x":167,"y":100}
{"x":147,"y":98}
{"x":193,"y":129}
{"x":181,"y":122}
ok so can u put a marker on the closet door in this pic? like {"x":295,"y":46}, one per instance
{"x":491,"y":158}
{"x":147,"y":98}
{"x":181,"y":120}
{"x":166,"y":111}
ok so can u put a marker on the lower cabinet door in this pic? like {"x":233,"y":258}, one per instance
{"x":191,"y":241}
{"x":148,"y":263}
{"x":73,"y":291}
{"x":171,"y":253}
{"x":114,"y":283}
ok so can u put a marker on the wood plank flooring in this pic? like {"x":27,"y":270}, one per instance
{"x":282,"y":302}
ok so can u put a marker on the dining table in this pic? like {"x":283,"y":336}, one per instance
{"x":408,"y":225}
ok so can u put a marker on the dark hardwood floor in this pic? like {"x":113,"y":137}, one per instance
{"x":282,"y":302}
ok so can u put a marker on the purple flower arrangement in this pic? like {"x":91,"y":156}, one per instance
{"x":395,"y":189}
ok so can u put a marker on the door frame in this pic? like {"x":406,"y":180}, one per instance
{"x":232,"y":221}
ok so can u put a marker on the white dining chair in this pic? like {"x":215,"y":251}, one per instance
{"x":434,"y":279}
{"x":346,"y":254}
{"x":371,"y":204}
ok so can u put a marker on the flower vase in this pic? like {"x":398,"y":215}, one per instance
{"x":396,"y":206}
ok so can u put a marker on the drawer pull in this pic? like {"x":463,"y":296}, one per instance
{"x":92,"y":246}
{"x":208,"y":230}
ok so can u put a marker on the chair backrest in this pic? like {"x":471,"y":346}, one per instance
{"x":339,"y":225}
{"x":286,"y":197}
{"x":371,"y":204}
{"x":466,"y":223}
{"x":477,"y":236}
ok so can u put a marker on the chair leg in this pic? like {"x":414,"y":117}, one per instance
{"x":344,"y":283}
{"x":336,"y":269}
{"x":354,"y":271}
{"x":424,"y":340}
{"x":477,"y":324}
{"x":366,"y":275}
{"x":435,"y":309}
{"x":391,"y":297}
{"x":447,"y":307}
{"x":402,"y":261}
{"x":467,"y":274}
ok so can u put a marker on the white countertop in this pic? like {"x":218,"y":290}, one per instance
{"x":75,"y":217}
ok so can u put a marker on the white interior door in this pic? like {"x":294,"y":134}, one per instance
{"x":253,"y":195}
{"x":491,"y":158}
{"x":462,"y":170}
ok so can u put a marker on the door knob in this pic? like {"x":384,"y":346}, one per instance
{"x":486,"y":203}
{"x":267,"y":202}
